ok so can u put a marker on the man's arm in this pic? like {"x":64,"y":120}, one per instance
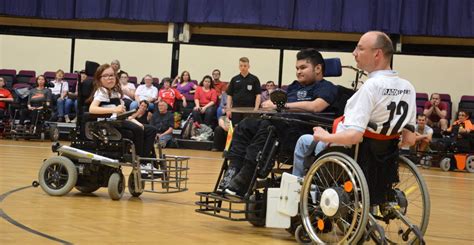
{"x":257,"y":101}
{"x":316,"y":105}
{"x":229,"y":106}
{"x":346,"y":137}
{"x":441,"y":113}
{"x":408,"y":138}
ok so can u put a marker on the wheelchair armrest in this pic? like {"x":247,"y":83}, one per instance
{"x":125,"y":115}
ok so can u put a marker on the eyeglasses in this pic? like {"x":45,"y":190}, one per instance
{"x":462,"y":115}
{"x":108,"y":76}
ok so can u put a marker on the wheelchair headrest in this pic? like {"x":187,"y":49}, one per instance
{"x":332,"y":67}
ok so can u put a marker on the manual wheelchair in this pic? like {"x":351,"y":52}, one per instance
{"x":331,"y":204}
{"x":97,"y":153}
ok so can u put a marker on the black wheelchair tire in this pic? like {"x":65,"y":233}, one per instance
{"x":256,"y":219}
{"x":49,"y":168}
{"x":131,"y":186}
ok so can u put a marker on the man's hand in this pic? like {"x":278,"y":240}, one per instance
{"x":228,"y":113}
{"x":320,"y":134}
{"x":268,"y":104}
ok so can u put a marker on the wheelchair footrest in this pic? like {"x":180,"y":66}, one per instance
{"x":217,"y":205}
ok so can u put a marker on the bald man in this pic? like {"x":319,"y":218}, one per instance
{"x":387,"y":102}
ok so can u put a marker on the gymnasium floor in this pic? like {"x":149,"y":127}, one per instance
{"x":29,"y":216}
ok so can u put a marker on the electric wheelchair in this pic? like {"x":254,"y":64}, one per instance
{"x":98,"y":151}
{"x":331,"y":204}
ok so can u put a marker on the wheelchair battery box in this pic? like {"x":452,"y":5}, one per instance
{"x":274,"y":218}
{"x":289,"y":199}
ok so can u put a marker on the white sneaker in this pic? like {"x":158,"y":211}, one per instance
{"x":66,"y":119}
{"x":148,"y":169}
{"x":74,"y":120}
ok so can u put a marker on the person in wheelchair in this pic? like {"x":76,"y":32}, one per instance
{"x":374,"y":117}
{"x":462,"y":133}
{"x":39,"y":100}
{"x":5,"y":97}
{"x":311,"y":93}
{"x":106,"y":99}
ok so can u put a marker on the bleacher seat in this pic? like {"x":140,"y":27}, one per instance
{"x":9,"y":75}
{"x":132,"y":79}
{"x":421,"y":99}
{"x":467,"y":103}
{"x":71,"y":79}
{"x":50,"y":75}
{"x":26,"y":76}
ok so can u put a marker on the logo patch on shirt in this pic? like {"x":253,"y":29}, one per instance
{"x":249,"y":87}
{"x":301,"y":95}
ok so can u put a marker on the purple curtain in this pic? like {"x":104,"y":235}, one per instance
{"x":57,"y":9}
{"x":149,"y":10}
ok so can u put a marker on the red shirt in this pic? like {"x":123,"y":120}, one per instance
{"x":220,"y":87}
{"x":4,"y":93}
{"x":205,"y":97}
{"x":169,"y":95}
{"x":442,"y":107}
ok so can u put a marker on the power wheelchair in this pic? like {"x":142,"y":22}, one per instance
{"x":97,"y":153}
{"x":331,"y":204}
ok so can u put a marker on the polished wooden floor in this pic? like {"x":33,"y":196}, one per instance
{"x":30,"y":216}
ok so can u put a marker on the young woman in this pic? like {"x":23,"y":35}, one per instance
{"x":106,"y":99}
{"x":38,"y":98}
{"x":187,"y":88}
{"x":140,"y":117}
{"x":205,"y":100}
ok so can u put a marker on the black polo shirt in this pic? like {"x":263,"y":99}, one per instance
{"x":244,"y":90}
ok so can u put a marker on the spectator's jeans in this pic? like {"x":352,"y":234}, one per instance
{"x":68,"y":106}
{"x":208,"y":117}
{"x":164,"y":139}
{"x":60,"y":107}
{"x":305,"y":146}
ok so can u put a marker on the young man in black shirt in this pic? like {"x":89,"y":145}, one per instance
{"x":243,"y":91}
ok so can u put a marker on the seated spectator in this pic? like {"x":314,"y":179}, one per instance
{"x":186,"y":87}
{"x":59,"y":91}
{"x":169,"y":94}
{"x":72,"y":97}
{"x":205,"y":99}
{"x":140,"y":117}
{"x":463,"y":124}
{"x":220,"y":133}
{"x":163,"y":121}
{"x":146,"y":92}
{"x":436,"y":111}
{"x":38,"y":98}
{"x":116,"y":66}
{"x":424,"y":134}
{"x":5,"y":96}
{"x":222,"y":105}
{"x":220,"y":86}
{"x":128,"y":90}
{"x":265,"y":95}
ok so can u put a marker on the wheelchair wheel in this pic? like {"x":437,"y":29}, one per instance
{"x":301,"y":236}
{"x":88,"y":188}
{"x":445,"y":164}
{"x":131,"y":186}
{"x":54,"y":133}
{"x":413,"y":201}
{"x":255,"y":211}
{"x":57,"y":176}
{"x":470,"y":163}
{"x":116,"y":186}
{"x":334,"y":203}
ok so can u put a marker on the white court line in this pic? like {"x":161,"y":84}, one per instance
{"x":213,"y":158}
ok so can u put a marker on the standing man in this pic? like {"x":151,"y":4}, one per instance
{"x":387,"y":102}
{"x":243,"y":91}
{"x":436,"y":111}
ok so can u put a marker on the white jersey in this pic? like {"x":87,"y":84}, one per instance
{"x":146,"y":93}
{"x":385,"y":100}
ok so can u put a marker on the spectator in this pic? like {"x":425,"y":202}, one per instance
{"x":146,"y":92}
{"x":5,"y":96}
{"x":222,"y":105}
{"x":38,"y":99}
{"x":60,"y":91}
{"x":436,"y":111}
{"x":163,"y":121}
{"x":72,"y":97}
{"x":424,"y":134}
{"x":205,"y":99}
{"x":463,"y":124}
{"x":270,"y":87}
{"x":186,"y":87}
{"x":169,"y":94}
{"x":116,"y":66}
{"x":140,"y":117}
{"x":220,"y":133}
{"x":220,"y":86}
{"x":128,"y":90}
{"x":243,"y":91}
